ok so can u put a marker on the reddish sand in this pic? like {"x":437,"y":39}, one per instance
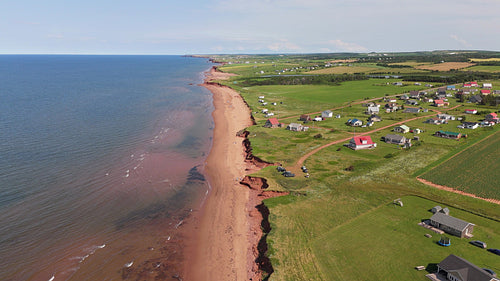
{"x":223,"y":250}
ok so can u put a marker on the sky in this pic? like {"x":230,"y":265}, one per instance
{"x":246,"y":26}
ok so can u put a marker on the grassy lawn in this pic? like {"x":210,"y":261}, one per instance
{"x":376,"y":245}
{"x":474,"y":170}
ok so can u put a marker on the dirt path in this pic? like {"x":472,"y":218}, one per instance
{"x":447,"y":188}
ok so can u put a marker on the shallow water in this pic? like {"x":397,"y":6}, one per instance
{"x":95,"y":160}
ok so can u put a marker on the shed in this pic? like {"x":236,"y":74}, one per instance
{"x":436,"y":209}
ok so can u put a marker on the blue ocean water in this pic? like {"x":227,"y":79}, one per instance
{"x":93,"y":150}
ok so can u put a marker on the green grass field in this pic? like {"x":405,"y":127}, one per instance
{"x":340,"y":223}
{"x":483,"y":68}
{"x":474,"y":170}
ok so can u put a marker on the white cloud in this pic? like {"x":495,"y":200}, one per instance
{"x":346,"y":46}
{"x":460,"y":40}
{"x":283,"y":46}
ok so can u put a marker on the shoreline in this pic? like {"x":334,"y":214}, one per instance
{"x":225,"y":246}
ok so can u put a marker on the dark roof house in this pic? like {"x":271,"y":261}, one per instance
{"x":458,"y":269}
{"x":394,"y":139}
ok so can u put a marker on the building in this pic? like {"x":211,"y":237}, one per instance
{"x":373,"y":109}
{"x":411,"y":110}
{"x":456,"y":268}
{"x":305,"y":118}
{"x":452,"y":225}
{"x":438,"y":103}
{"x":471,"y":111}
{"x":487,"y":85}
{"x":374,"y":118}
{"x":402,"y":129}
{"x":492,"y":117}
{"x":354,"y":122}
{"x":444,"y":116}
{"x":448,"y":135}
{"x":395,"y":139}
{"x":296,"y":127}
{"x":327,"y":114}
{"x":470,"y":125}
{"x":361,"y":142}
{"x":272,"y":123}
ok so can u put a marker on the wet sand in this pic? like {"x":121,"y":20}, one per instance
{"x":223,"y":250}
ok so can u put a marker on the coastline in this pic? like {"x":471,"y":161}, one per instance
{"x":222,"y":249}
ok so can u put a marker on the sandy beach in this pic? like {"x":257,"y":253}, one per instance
{"x":223,"y":248}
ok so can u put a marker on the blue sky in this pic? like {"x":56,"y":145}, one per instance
{"x":244,"y":26}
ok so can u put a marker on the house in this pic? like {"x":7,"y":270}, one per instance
{"x":444,"y":116}
{"x":492,"y":117}
{"x":397,"y":83}
{"x":448,"y":135}
{"x":411,"y":110}
{"x":404,"y":97}
{"x":429,"y":100}
{"x":368,"y":104}
{"x":269,"y":114}
{"x":436,"y":121}
{"x":391,"y":107}
{"x":305,"y":118}
{"x":372,"y":109}
{"x":450,"y":87}
{"x":456,"y":268}
{"x":374,"y":118}
{"x":470,"y":125}
{"x":402,"y":129}
{"x":452,"y":225}
{"x":261,"y":97}
{"x":317,"y":118}
{"x":327,"y":114}
{"x":272,"y":123}
{"x":487,"y":85}
{"x":354,"y":122}
{"x":471,"y":111}
{"x":264,"y":110}
{"x":438,"y":103}
{"x":485,"y":92}
{"x":414,"y":95}
{"x":296,"y":127}
{"x":470,"y":84}
{"x":361,"y":142}
{"x":395,"y":139}
{"x":476,"y":99}
{"x":412,"y":102}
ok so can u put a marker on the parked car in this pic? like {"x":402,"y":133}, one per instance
{"x":494,"y":251}
{"x":280,"y":169}
{"x":288,"y":174}
{"x":478,"y":243}
{"x":490,"y":272}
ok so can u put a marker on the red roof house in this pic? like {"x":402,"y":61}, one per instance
{"x":272,"y":123}
{"x":471,"y":111}
{"x":485,"y":92}
{"x":439,"y":103}
{"x":492,"y":117}
{"x":361,"y":142}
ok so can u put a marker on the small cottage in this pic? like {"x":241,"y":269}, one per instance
{"x":470,"y":125}
{"x":296,"y":127}
{"x":492,"y":117}
{"x":354,"y":122}
{"x":374,"y":118}
{"x":327,"y":114}
{"x":411,"y":110}
{"x":471,"y":111}
{"x":402,"y":129}
{"x":395,"y":139}
{"x":361,"y":142}
{"x":305,"y":118}
{"x":272,"y":123}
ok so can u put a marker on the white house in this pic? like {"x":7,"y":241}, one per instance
{"x":487,"y":85}
{"x":327,"y":114}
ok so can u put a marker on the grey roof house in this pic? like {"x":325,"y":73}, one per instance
{"x":458,"y":269}
{"x":452,"y":225}
{"x":394,"y":139}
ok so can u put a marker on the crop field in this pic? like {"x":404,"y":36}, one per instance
{"x":484,"y":68}
{"x":474,"y":170}
{"x":485,"y":60}
{"x":347,"y":69}
{"x":445,"y":66}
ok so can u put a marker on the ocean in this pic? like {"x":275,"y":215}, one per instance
{"x":101,"y":165}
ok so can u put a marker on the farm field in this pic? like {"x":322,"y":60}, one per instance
{"x":445,"y":66}
{"x":483,"y":68}
{"x":473,"y":170}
